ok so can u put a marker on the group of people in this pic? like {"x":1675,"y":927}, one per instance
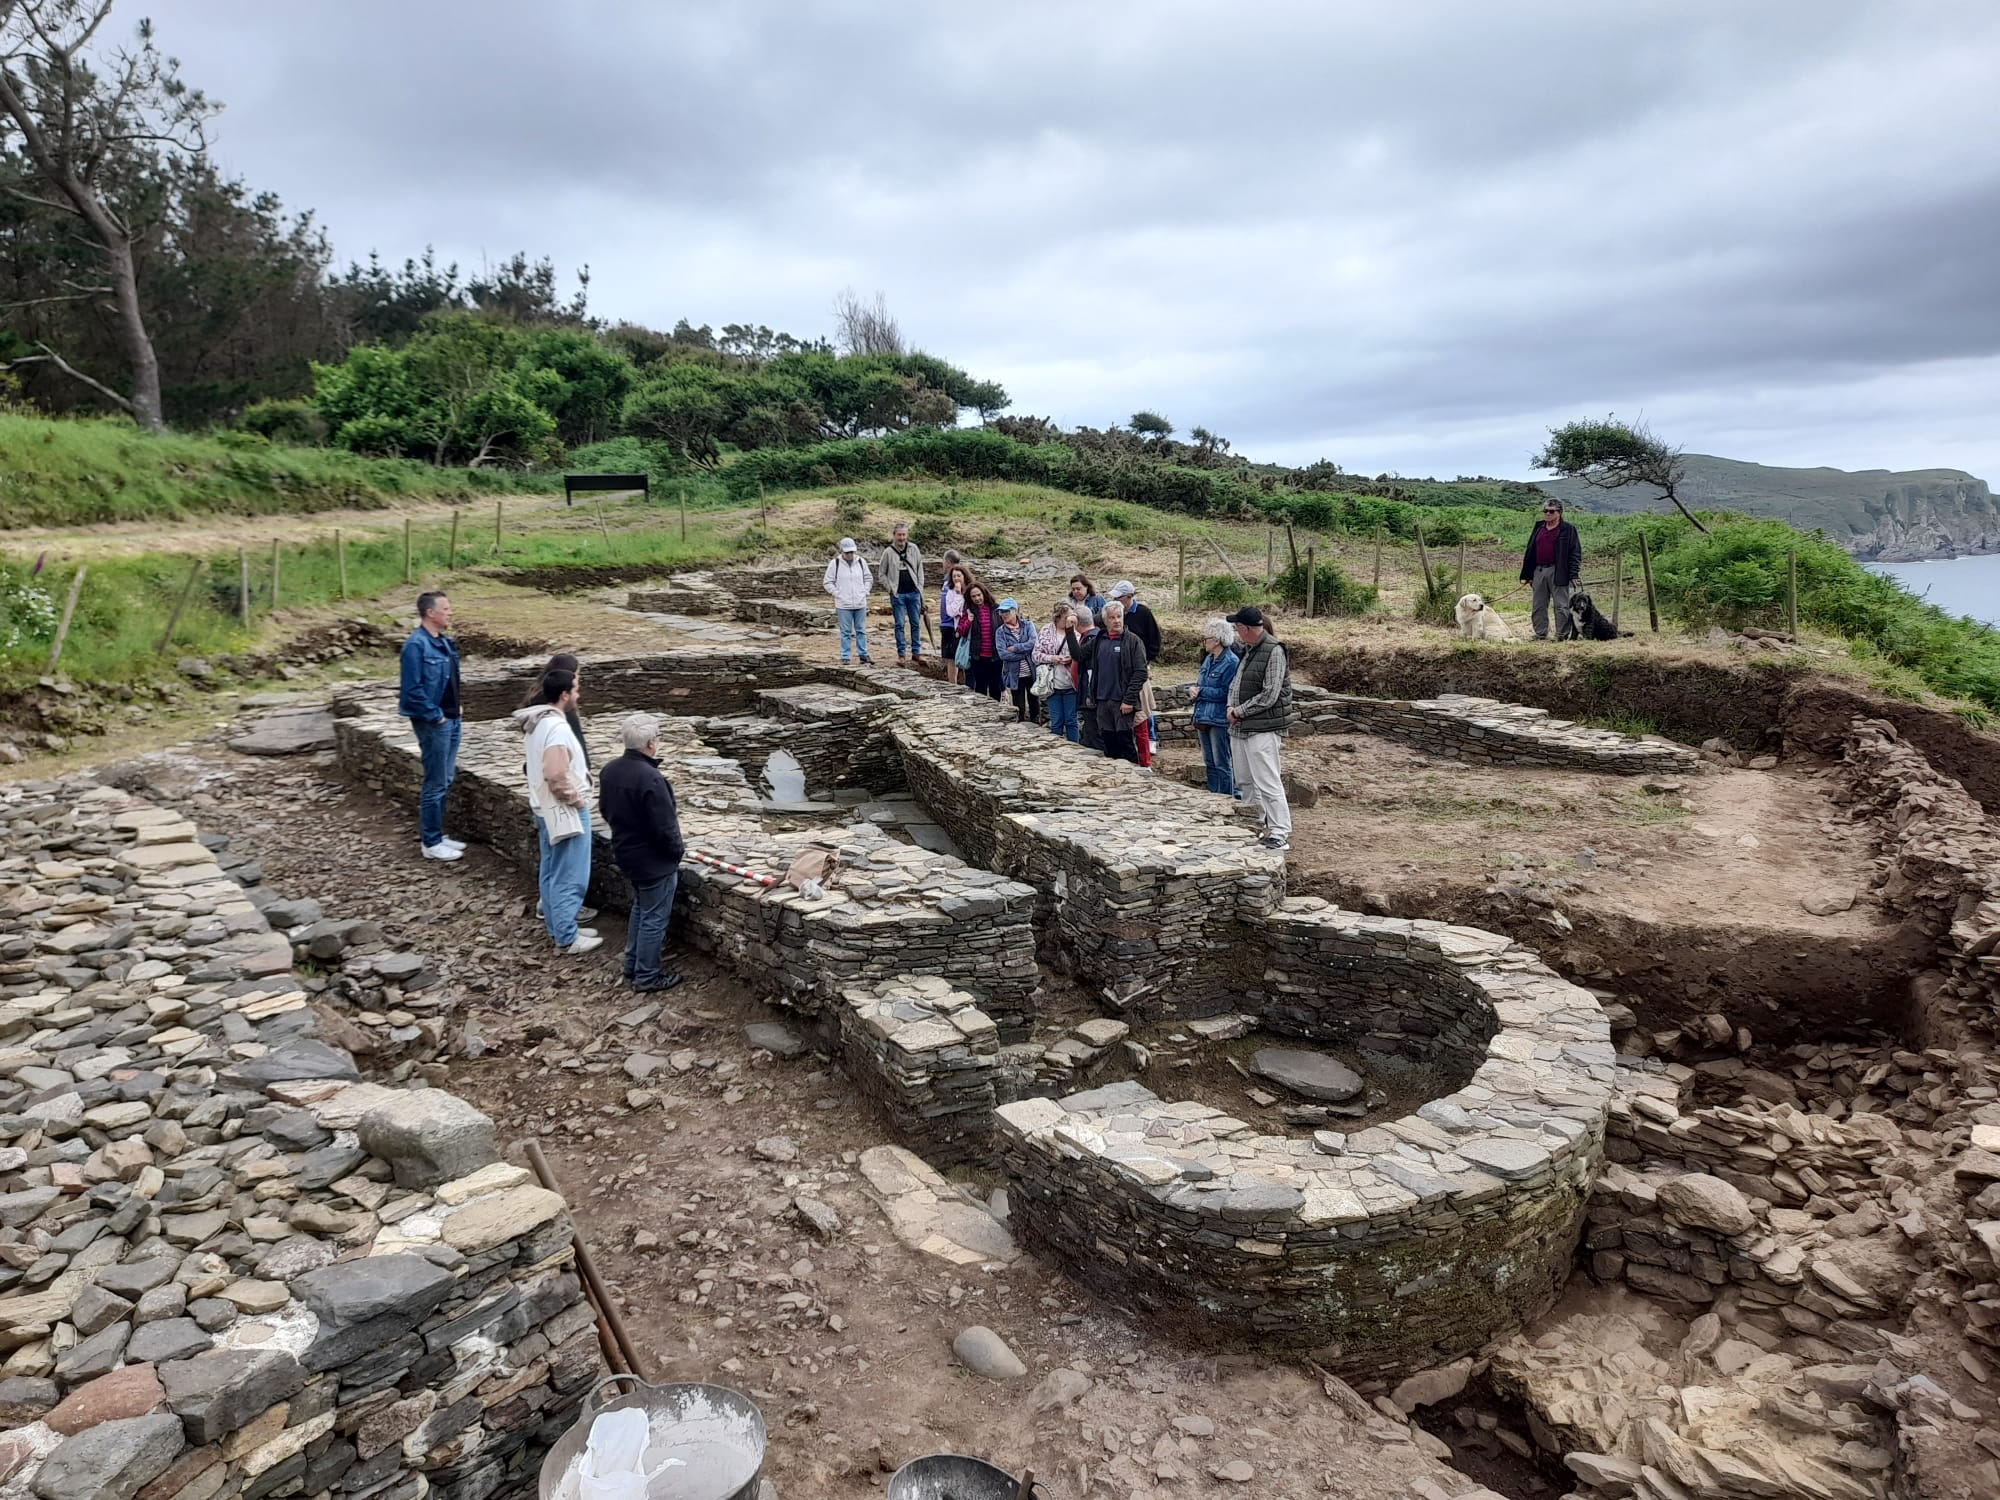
{"x":632,"y":793}
{"x":1088,"y":672}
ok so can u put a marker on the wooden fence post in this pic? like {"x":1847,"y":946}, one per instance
{"x":1311,"y":578}
{"x":187,"y":592}
{"x":1646,"y":567}
{"x":1617,"y":588}
{"x":1424,"y":560}
{"x":1792,"y":592}
{"x":1180,"y":577}
{"x":763,"y":510}
{"x":1270,"y":555}
{"x":684,"y":513}
{"x":1461,"y":565}
{"x":1378,"y":557}
{"x":243,"y":587}
{"x":406,"y":549}
{"x":451,"y":553}
{"x":340,"y":560}
{"x":498,"y":506}
{"x":274,"y":575}
{"x":69,"y":608}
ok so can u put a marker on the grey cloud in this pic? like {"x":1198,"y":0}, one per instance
{"x":1308,"y":225}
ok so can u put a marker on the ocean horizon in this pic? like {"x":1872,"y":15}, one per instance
{"x":1957,"y":585}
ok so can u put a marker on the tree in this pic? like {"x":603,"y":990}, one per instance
{"x":1151,"y":424}
{"x":1611,"y":454}
{"x":866,"y":327}
{"x":73,"y":132}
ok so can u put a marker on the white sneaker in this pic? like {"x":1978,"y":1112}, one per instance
{"x":452,"y":843}
{"x":586,"y":942}
{"x":442,"y":851}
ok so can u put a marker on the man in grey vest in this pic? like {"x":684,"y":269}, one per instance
{"x":1260,"y":711}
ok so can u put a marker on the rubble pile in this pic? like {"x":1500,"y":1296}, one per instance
{"x":229,"y":1266}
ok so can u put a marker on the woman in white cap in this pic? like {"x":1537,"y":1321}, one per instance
{"x":848,"y":580}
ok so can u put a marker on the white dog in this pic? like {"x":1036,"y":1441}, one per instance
{"x":1479,"y":621}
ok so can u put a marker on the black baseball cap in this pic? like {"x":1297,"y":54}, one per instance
{"x":1249,"y":614}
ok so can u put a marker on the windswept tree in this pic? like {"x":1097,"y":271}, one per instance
{"x":1150,"y":424}
{"x":1611,"y":454}
{"x":76,"y":126}
{"x":866,"y":327}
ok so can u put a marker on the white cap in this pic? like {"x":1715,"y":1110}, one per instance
{"x":847,"y":544}
{"x":1122,"y":589}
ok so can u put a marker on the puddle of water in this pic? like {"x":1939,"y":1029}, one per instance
{"x":784,"y":779}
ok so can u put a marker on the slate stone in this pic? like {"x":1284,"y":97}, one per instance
{"x":215,"y":1393}
{"x":1111,"y":1096}
{"x":1252,"y":1200}
{"x":97,"y":1309}
{"x":428,"y":1137}
{"x":296,"y":1130}
{"x":285,"y":915}
{"x":1504,"y":1158}
{"x":295,"y":1060}
{"x":776,"y":1039}
{"x":137,"y":1276}
{"x":365,"y":1304}
{"x":328,"y":1164}
{"x":168,"y":1339}
{"x":95,"y":1356}
{"x":1311,"y":1075}
{"x":24,"y":1399}
{"x":111,"y":1461}
{"x":984,"y":1352}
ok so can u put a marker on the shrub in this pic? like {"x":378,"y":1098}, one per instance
{"x":1334,"y":593}
{"x":295,"y":422}
{"x":1213,"y":590}
{"x":850,"y":514}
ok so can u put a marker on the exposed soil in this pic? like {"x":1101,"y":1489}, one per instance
{"x":1689,"y":899}
{"x":846,"y":1343}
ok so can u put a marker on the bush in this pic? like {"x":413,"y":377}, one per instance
{"x":1213,"y":590}
{"x":296,"y":422}
{"x":850,"y":514}
{"x":1334,"y":593}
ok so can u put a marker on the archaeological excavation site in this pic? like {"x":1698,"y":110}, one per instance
{"x":1567,"y":1113}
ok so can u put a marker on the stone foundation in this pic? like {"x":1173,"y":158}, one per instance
{"x":925,"y":1054}
{"x":229,"y":1267}
{"x":835,"y":734}
{"x":1487,"y":732}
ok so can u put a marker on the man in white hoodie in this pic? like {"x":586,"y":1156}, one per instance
{"x":848,"y":580}
{"x":559,"y":793}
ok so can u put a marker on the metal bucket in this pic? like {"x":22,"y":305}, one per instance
{"x":717,"y":1433}
{"x":952,"y":1476}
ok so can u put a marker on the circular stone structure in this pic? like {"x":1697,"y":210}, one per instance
{"x":1387,"y":1250}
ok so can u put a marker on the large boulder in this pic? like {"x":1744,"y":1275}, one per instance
{"x":428,"y":1136}
{"x":1699,"y":1201}
{"x":111,"y":1461}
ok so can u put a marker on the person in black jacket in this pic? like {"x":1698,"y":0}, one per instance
{"x":1553,"y":563}
{"x":638,"y":802}
{"x":1117,"y":682}
{"x":1138,"y":619}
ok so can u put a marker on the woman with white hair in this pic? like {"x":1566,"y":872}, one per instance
{"x":1057,"y":647}
{"x":638,"y":802}
{"x":1210,"y":695}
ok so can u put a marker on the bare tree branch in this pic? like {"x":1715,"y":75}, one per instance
{"x":50,"y":356}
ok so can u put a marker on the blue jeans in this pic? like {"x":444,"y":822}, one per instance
{"x":911,"y":605}
{"x":1062,"y":714}
{"x":1216,"y":757}
{"x":646,"y":928}
{"x":853,"y":627}
{"x":438,"y":744}
{"x":565,"y":876}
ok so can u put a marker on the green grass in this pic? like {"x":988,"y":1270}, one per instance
{"x":82,"y":471}
{"x":126,"y":602}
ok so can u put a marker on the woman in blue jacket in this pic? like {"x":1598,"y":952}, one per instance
{"x":1211,"y":706}
{"x":1016,"y":642}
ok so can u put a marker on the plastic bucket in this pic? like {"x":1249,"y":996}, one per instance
{"x":953,"y":1476}
{"x":717,"y":1434}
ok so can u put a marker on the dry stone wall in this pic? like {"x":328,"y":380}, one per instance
{"x":1387,"y":1250}
{"x":228,"y":1266}
{"x":837,"y":736}
{"x":1488,"y":732}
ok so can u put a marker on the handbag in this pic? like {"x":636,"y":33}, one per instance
{"x":1047,"y":683}
{"x":563,"y":822}
{"x":962,"y":658}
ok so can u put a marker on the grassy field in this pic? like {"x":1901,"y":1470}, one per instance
{"x":80,"y":471}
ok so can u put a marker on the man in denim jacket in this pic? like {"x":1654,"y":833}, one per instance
{"x":429,"y":700}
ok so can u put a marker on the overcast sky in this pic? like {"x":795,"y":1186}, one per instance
{"x":1405,"y":237}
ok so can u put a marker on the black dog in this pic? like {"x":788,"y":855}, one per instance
{"x":1587,"y":621}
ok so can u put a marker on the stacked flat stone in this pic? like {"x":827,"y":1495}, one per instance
{"x":835,"y":734}
{"x":1773,"y":1263}
{"x":1314,"y":711}
{"x":892,"y":910}
{"x":1391,"y":1249}
{"x":1486,"y":731}
{"x":228,"y":1267}
{"x":925,"y":1053}
{"x":1939,"y":856}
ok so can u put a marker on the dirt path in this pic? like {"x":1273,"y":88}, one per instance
{"x":207,"y":533}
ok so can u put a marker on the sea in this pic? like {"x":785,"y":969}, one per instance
{"x":1957,"y":585}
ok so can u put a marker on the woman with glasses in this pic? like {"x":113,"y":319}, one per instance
{"x":1553,"y":563}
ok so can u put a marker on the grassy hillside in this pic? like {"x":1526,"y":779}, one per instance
{"x":1846,"y":505}
{"x":70,"y":471}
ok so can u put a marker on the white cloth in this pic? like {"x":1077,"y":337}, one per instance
{"x":849,"y":583}
{"x":1257,"y":769}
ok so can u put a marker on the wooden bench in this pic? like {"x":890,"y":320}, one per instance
{"x":622,"y":484}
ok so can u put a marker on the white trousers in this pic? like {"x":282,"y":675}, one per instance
{"x":1257,"y":773}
